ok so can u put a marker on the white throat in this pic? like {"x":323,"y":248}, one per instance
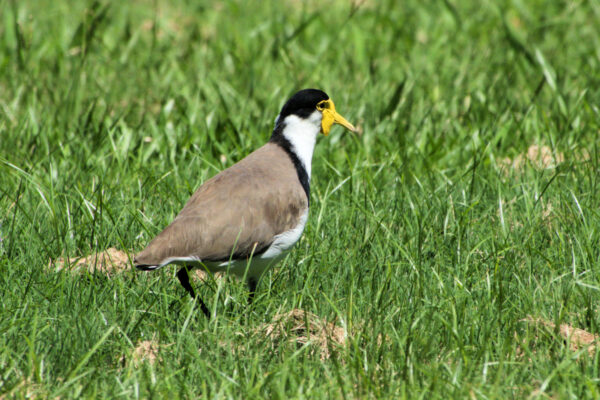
{"x":302,"y":134}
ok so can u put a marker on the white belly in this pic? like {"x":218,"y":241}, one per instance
{"x":255,"y":267}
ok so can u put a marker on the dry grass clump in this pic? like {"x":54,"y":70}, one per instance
{"x":200,"y":275}
{"x":146,"y":351}
{"x":548,"y":215}
{"x":540,"y":157}
{"x":576,"y":338}
{"x":302,"y":328}
{"x":108,"y":262}
{"x":27,"y":389}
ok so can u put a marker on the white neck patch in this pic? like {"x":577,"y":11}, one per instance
{"x":302,"y":134}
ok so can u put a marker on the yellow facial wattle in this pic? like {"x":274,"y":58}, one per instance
{"x":330,"y":117}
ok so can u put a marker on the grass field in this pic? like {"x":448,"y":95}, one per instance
{"x":452,"y":244}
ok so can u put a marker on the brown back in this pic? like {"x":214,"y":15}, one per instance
{"x":238,"y":211}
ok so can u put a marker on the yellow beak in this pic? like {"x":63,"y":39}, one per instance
{"x":330,"y":117}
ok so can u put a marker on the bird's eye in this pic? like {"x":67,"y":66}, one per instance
{"x":322,"y":105}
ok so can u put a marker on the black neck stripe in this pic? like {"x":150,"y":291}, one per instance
{"x":285,"y":144}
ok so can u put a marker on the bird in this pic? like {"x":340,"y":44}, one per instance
{"x":248,"y":217}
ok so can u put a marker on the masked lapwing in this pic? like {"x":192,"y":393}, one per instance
{"x":246,"y":218}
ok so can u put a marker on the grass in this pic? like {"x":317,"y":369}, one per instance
{"x":424,"y":243}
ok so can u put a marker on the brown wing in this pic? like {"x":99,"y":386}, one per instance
{"x":238,"y":212}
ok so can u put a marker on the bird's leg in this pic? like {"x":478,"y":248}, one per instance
{"x":184,"y":279}
{"x":252,"y":282}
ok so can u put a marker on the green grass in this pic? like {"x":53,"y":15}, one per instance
{"x":419,"y":243}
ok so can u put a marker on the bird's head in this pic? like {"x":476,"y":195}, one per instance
{"x":315,"y":106}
